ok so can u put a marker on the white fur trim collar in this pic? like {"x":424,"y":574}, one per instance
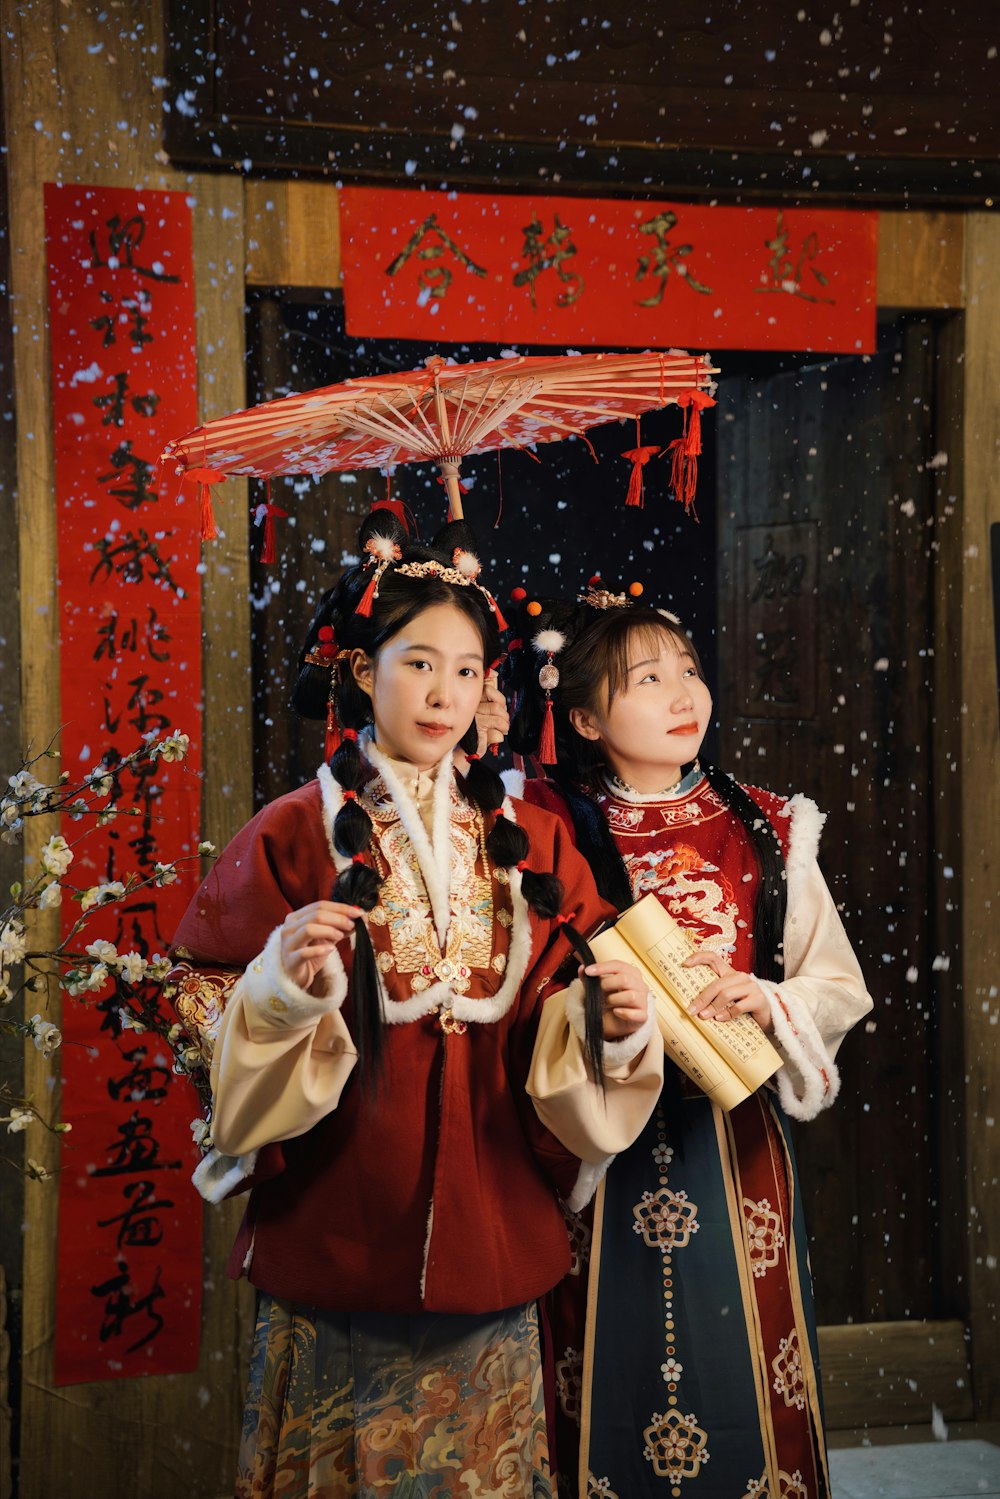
{"x":804,"y":834}
{"x":478,"y":1011}
{"x":434,"y":858}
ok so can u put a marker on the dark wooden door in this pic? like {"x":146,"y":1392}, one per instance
{"x":826,"y":516}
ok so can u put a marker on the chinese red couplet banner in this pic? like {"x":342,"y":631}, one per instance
{"x":607,"y":272}
{"x":124,"y":378}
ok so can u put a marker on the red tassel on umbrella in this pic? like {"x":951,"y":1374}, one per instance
{"x":639,"y":457}
{"x":205,"y":478}
{"x":266,"y":513}
{"x":636,"y":489}
{"x":684,"y":450}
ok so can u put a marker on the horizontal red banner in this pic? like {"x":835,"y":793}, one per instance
{"x":607,"y":272}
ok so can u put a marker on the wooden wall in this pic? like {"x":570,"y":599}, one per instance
{"x":81,"y":106}
{"x":973,"y":755}
{"x":86,"y":77}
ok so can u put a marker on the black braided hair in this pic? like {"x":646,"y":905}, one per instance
{"x":592,"y":669}
{"x":399,"y":600}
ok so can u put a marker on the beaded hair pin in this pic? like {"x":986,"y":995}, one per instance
{"x":465,"y":570}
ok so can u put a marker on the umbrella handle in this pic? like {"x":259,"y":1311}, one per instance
{"x":449,"y":473}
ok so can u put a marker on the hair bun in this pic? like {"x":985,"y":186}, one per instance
{"x":383,"y":524}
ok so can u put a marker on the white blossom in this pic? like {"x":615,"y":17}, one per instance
{"x":159,"y":967}
{"x":12,"y":833}
{"x":104,"y":952}
{"x":56,"y":856}
{"x":204,"y":847}
{"x":24,"y":785}
{"x":130,"y":1022}
{"x":51,"y":896}
{"x":100,"y":781}
{"x":166,"y":874}
{"x":174,"y":747}
{"x":200,"y":1131}
{"x":37,"y":1172}
{"x":97,"y":978}
{"x":18,"y":1120}
{"x":99,"y":895}
{"x":12,"y":945}
{"x":46,"y":1036}
{"x":132,"y":967}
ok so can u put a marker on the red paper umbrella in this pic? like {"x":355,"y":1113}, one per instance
{"x":444,"y":411}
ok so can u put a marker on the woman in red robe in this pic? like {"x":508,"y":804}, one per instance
{"x":382,"y":969}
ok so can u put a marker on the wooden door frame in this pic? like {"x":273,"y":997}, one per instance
{"x":928,"y":262}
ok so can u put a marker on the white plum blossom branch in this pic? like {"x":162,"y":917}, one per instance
{"x":84,"y":973}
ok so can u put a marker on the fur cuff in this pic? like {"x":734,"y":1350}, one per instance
{"x":217,"y":1175}
{"x":616,"y":1053}
{"x":267,"y":986}
{"x":587,"y":1182}
{"x":809,"y":1082}
{"x":513,"y":783}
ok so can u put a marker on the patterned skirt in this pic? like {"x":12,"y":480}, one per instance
{"x":373,"y":1406}
{"x":697,"y":1376}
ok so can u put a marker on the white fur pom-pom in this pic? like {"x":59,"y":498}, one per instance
{"x":382,"y":547}
{"x":467,"y":563}
{"x":549,"y":640}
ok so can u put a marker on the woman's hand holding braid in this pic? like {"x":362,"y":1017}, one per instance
{"x":729,"y":995}
{"x":492,"y":717}
{"x":308,"y":937}
{"x":626,"y":998}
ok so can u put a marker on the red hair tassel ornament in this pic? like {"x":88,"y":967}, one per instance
{"x":548,"y":643}
{"x":382,"y":551}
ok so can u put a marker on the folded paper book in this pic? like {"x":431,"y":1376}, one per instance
{"x":727,"y":1059}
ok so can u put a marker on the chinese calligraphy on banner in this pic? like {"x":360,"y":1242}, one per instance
{"x":124,"y":377}
{"x":610,"y":272}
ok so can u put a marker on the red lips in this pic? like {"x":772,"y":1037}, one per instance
{"x":684,"y":728}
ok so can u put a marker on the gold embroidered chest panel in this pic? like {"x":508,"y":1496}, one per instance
{"x":402,"y":926}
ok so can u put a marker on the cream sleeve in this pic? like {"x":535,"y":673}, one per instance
{"x":823,"y":996}
{"x":282,"y":1057}
{"x":592,"y":1125}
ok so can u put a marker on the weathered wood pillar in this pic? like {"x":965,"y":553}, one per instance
{"x":967,"y":594}
{"x":81,"y":105}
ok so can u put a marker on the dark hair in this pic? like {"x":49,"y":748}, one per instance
{"x":396,"y":600}
{"x":593,"y":668}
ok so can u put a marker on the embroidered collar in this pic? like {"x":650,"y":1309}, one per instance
{"x":434,"y":858}
{"x":614,"y":787}
{"x":433,"y":850}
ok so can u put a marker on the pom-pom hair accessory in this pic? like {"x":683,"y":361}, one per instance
{"x":548,"y":643}
{"x":382,"y":552}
